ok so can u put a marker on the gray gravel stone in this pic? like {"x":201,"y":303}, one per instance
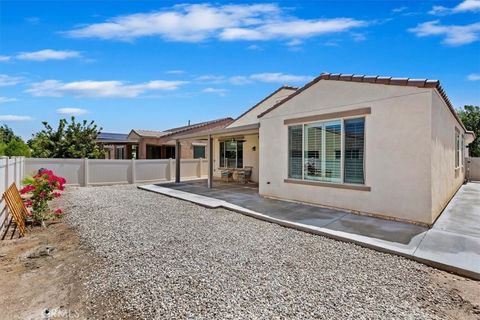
{"x":165,"y":258}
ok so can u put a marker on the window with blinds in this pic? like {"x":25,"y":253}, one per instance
{"x":295,"y":152}
{"x":330,"y":151}
{"x":333,"y":151}
{"x":313,"y":165}
{"x":354,"y":150}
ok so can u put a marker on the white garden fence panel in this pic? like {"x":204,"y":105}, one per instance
{"x":154,"y":170}
{"x":84,"y":172}
{"x":71,"y":169}
{"x":473,"y":165}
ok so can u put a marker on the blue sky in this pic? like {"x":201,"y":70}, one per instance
{"x":157,"y":64}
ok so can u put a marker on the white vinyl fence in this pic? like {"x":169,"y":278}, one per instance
{"x":92,"y":172}
{"x":473,"y":166}
{"x":11,"y":170}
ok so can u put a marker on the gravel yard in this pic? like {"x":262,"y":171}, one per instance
{"x":165,"y":258}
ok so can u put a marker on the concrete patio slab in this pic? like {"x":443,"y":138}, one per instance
{"x":453,"y":244}
{"x":456,"y":253}
{"x":462,"y":214}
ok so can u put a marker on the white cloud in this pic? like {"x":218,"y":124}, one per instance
{"x":474,"y":77}
{"x":5,"y":58}
{"x":6,"y":80}
{"x":254,"y":47}
{"x":7,"y":99}
{"x":71,"y":111}
{"x":175,"y":72}
{"x":269,"y":77}
{"x":103,"y":89}
{"x":10,"y":117}
{"x":454,"y":35}
{"x":200,"y":22}
{"x":278,"y":77}
{"x":399,"y":9}
{"x":292,"y":29}
{"x":239,"y":80}
{"x":465,"y":6}
{"x":219,"y":91}
{"x":48,"y":54}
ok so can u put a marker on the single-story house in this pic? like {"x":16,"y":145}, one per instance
{"x":388,"y":147}
{"x":148,"y":144}
{"x":117,"y":145}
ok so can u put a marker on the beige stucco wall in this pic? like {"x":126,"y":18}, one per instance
{"x":397,"y":149}
{"x":251,"y":116}
{"x":250,"y":157}
{"x":445,"y":179}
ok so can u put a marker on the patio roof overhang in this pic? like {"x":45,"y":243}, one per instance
{"x":204,"y":135}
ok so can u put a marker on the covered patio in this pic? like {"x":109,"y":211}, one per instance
{"x":232,"y":154}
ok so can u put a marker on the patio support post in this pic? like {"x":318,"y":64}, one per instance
{"x":210,"y":162}
{"x":178,"y":154}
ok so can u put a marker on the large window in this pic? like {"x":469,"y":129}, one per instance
{"x":330,"y":151}
{"x":231,"y":154}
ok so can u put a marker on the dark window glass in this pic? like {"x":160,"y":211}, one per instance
{"x":198,"y":152}
{"x":354,"y":151}
{"x":231,"y":154}
{"x":153,"y":152}
{"x":169,"y":152}
{"x":239,"y":154}
{"x":222,"y":154}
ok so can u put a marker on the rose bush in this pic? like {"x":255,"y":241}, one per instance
{"x":38,"y":191}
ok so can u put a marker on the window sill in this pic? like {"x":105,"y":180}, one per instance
{"x":329,"y":185}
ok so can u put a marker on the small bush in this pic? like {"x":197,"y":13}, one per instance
{"x":38,"y":191}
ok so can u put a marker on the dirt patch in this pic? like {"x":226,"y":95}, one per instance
{"x":465,"y":291}
{"x":43,"y":273}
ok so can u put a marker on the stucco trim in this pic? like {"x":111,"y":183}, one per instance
{"x":329,"y":185}
{"x":331,"y":115}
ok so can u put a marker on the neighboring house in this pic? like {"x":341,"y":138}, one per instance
{"x":147,"y":144}
{"x":117,"y":145}
{"x":388,"y":147}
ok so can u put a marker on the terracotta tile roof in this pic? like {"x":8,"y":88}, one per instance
{"x":419,"y":83}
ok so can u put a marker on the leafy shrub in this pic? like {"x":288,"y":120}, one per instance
{"x":38,"y":191}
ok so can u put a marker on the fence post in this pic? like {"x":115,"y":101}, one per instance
{"x":199,"y":171}
{"x":171,"y":167}
{"x":85,"y":171}
{"x":134,"y":174}
{"x":15,"y":170}
{"x":7,"y":178}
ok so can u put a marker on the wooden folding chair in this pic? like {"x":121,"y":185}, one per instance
{"x":16,"y":207}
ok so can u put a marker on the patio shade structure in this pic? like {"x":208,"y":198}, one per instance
{"x":209,"y":136}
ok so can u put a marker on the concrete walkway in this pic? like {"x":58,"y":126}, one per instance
{"x":453,"y":244}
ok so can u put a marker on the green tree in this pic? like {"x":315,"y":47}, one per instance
{"x":7,"y":134}
{"x":17,"y":147}
{"x":68,"y":140}
{"x":470,"y":116}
